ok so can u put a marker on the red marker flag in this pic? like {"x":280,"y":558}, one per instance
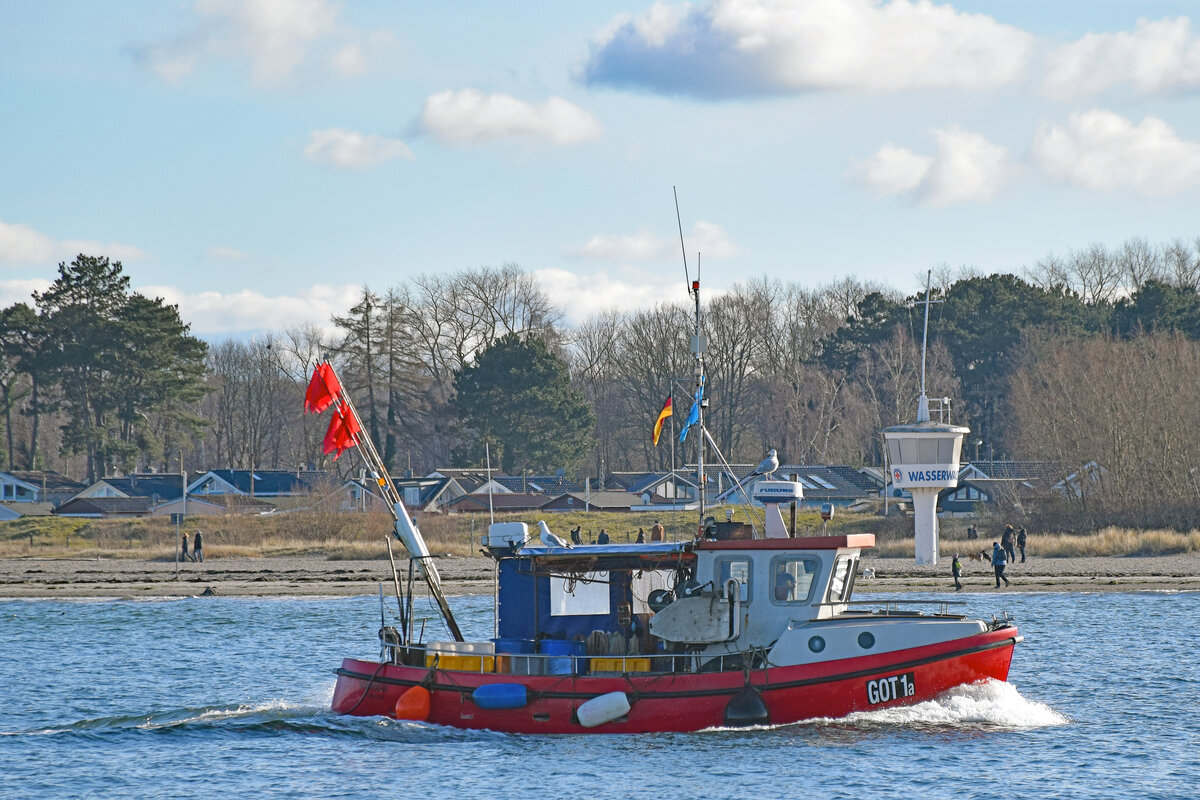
{"x":342,"y":434}
{"x":322,"y":389}
{"x":662,"y":417}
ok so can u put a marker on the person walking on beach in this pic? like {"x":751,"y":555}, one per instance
{"x":1006,"y":542}
{"x":1021,"y":543}
{"x":184,"y":553}
{"x":956,"y":569}
{"x":603,"y":537}
{"x":641,"y":536}
{"x":656,"y":532}
{"x":999,"y":562}
{"x":198,"y":547}
{"x":575,"y":537}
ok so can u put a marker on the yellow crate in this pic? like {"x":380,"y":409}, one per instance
{"x":620,"y":665}
{"x":460,"y":662}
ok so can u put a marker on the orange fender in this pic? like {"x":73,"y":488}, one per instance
{"x":413,"y":704}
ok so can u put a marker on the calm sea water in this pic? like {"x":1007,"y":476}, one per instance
{"x":226,"y":698}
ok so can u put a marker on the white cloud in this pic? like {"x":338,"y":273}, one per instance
{"x":349,"y":61}
{"x":1101,"y":150}
{"x":469,"y":117}
{"x":729,"y":48}
{"x":20,"y":290}
{"x":21,"y":244}
{"x":224,"y":254}
{"x":1157,"y":56}
{"x":965,"y":168}
{"x":707,"y":238}
{"x":894,"y":170}
{"x":353,"y":150}
{"x":275,"y":38}
{"x":211,"y":313}
{"x":629,"y":290}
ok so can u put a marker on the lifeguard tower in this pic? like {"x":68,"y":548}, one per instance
{"x":923,"y":458}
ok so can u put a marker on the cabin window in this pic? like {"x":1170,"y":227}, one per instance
{"x":792,"y":578}
{"x":581,"y":595}
{"x":739,"y":568}
{"x":839,"y":584}
{"x":641,"y":584}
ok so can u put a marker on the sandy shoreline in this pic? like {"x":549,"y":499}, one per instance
{"x":305,"y":576}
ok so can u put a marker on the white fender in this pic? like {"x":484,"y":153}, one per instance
{"x":602,"y":709}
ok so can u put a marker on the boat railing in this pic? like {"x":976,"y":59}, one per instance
{"x":552,"y":664}
{"x":893,"y":607}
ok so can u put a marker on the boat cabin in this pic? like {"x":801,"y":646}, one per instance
{"x":708,"y":598}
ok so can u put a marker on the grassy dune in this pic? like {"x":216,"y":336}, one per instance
{"x":337,"y":536}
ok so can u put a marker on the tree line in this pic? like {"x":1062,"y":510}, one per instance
{"x":448,"y":369}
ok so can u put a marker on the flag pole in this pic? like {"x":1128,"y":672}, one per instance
{"x":674,"y":483}
{"x":404,"y":529}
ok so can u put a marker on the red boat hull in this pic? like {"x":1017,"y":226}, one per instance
{"x":684,"y":701}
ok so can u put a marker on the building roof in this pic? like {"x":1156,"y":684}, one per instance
{"x":1045,"y":472}
{"x":552,"y":485}
{"x":52,"y":481}
{"x":105,"y":507}
{"x":606,"y":500}
{"x":820,"y":482}
{"x":259,"y":482}
{"x":638,"y":482}
{"x":514,"y":501}
{"x":160,"y":485}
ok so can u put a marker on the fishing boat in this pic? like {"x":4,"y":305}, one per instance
{"x":733,"y":625}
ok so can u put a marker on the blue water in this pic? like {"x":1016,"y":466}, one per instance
{"x":226,"y":698}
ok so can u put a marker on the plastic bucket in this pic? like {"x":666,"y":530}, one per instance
{"x":565,"y":648}
{"x":512,"y":645}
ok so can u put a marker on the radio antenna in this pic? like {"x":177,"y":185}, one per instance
{"x":682,"y":248}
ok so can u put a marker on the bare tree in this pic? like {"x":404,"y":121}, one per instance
{"x":1138,"y":262}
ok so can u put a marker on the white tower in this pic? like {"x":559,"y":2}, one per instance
{"x":923,"y":459}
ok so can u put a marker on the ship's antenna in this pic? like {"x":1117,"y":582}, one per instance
{"x":682,"y":249}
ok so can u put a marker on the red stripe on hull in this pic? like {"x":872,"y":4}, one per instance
{"x":680,"y":702}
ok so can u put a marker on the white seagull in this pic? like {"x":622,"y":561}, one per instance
{"x":769,"y":464}
{"x":548,"y":539}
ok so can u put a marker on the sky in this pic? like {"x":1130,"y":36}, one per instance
{"x":258,"y":162}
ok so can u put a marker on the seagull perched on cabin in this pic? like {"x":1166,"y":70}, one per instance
{"x":769,"y":464}
{"x":547,"y":538}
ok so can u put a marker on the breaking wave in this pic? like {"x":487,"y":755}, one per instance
{"x":988,"y":705}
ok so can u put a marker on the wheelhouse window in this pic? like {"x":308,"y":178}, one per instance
{"x":792,"y":578}
{"x":839,"y":584}
{"x":739,"y":568}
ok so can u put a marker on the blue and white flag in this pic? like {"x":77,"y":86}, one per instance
{"x":694,"y":415}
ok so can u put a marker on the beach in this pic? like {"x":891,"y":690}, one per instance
{"x":317,"y":576}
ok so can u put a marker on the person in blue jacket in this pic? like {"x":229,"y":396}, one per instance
{"x":999,"y":562}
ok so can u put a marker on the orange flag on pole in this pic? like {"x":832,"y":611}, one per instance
{"x":662,"y":417}
{"x":322,"y":389}
{"x":342,"y":434}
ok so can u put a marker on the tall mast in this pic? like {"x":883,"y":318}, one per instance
{"x":698,"y":347}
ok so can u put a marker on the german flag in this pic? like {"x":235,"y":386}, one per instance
{"x":662,"y":417}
